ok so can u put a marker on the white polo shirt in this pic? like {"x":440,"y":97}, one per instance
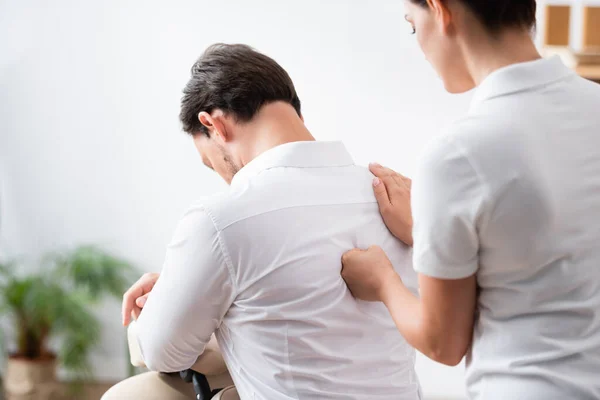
{"x":512,"y":193}
{"x":260,"y":265}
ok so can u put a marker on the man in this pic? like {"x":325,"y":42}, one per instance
{"x":260,"y":265}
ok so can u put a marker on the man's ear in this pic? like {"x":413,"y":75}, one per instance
{"x":215,"y":123}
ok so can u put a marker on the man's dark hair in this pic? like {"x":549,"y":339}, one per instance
{"x":496,"y":15}
{"x":237,"y":80}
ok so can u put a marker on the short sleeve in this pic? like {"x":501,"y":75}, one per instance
{"x":448,"y":199}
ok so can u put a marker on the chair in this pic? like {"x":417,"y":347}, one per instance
{"x":209,"y":371}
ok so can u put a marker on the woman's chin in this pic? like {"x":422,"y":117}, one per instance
{"x":453,"y":87}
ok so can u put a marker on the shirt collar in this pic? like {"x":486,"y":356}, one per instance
{"x":309,"y":154}
{"x":521,"y":77}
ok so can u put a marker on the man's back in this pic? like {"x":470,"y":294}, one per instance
{"x":293,"y":329}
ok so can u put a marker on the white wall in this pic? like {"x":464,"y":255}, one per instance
{"x":90,"y":145}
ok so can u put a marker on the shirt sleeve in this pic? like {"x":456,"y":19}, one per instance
{"x":190,"y":298}
{"x":447,"y":203}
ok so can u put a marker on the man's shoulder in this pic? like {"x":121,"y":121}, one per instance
{"x":212,"y":206}
{"x":273,"y":191}
{"x":235,"y":205}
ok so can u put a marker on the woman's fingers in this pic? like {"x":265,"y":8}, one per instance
{"x":407,"y":181}
{"x":365,"y":272}
{"x":392,"y":191}
{"x":395,"y":184}
{"x":380,"y":171}
{"x":381,"y":195}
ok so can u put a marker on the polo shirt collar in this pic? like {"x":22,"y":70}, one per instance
{"x":308,"y":154}
{"x":520,"y":78}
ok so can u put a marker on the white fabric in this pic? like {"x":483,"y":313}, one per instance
{"x":135,"y":354}
{"x":210,"y":363}
{"x":512,"y":193}
{"x":261,"y":266}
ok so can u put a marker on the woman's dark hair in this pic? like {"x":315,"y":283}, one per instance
{"x":237,"y":80}
{"x":496,"y":15}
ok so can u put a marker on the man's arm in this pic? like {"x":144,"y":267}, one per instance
{"x":190,"y":298}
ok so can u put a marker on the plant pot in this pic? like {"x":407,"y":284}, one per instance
{"x":34,"y":379}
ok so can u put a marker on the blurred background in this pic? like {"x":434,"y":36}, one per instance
{"x":91,"y":150}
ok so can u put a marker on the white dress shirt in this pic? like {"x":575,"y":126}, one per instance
{"x":512,"y":193}
{"x":260,"y":266}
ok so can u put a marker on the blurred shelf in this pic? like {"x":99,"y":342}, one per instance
{"x":586,"y":64}
{"x":558,"y":25}
{"x":591,"y":72}
{"x":591,"y":27}
{"x":557,"y":39}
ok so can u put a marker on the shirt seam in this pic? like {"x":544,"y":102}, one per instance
{"x":487,"y":191}
{"x":289,"y":364}
{"x":224,"y":251}
{"x":297,"y":206}
{"x":246,"y":285}
{"x":259,"y":172}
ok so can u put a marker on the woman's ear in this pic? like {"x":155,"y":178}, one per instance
{"x":442,"y":12}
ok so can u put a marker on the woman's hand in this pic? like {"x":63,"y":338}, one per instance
{"x":368,"y":273}
{"x":392,"y":191}
{"x":439,"y":326}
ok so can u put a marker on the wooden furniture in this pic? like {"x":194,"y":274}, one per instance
{"x":591,"y":72}
{"x":557,"y":39}
{"x":591,"y":28}
{"x":558,"y":25}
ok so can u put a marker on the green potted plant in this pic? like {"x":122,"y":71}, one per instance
{"x":56,"y":303}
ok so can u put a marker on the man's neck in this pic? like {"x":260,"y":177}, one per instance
{"x":275,"y":124}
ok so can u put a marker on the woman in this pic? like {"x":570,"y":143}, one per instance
{"x":506,"y":210}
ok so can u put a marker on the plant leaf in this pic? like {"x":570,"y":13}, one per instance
{"x":56,"y":302}
{"x":97,"y":271}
